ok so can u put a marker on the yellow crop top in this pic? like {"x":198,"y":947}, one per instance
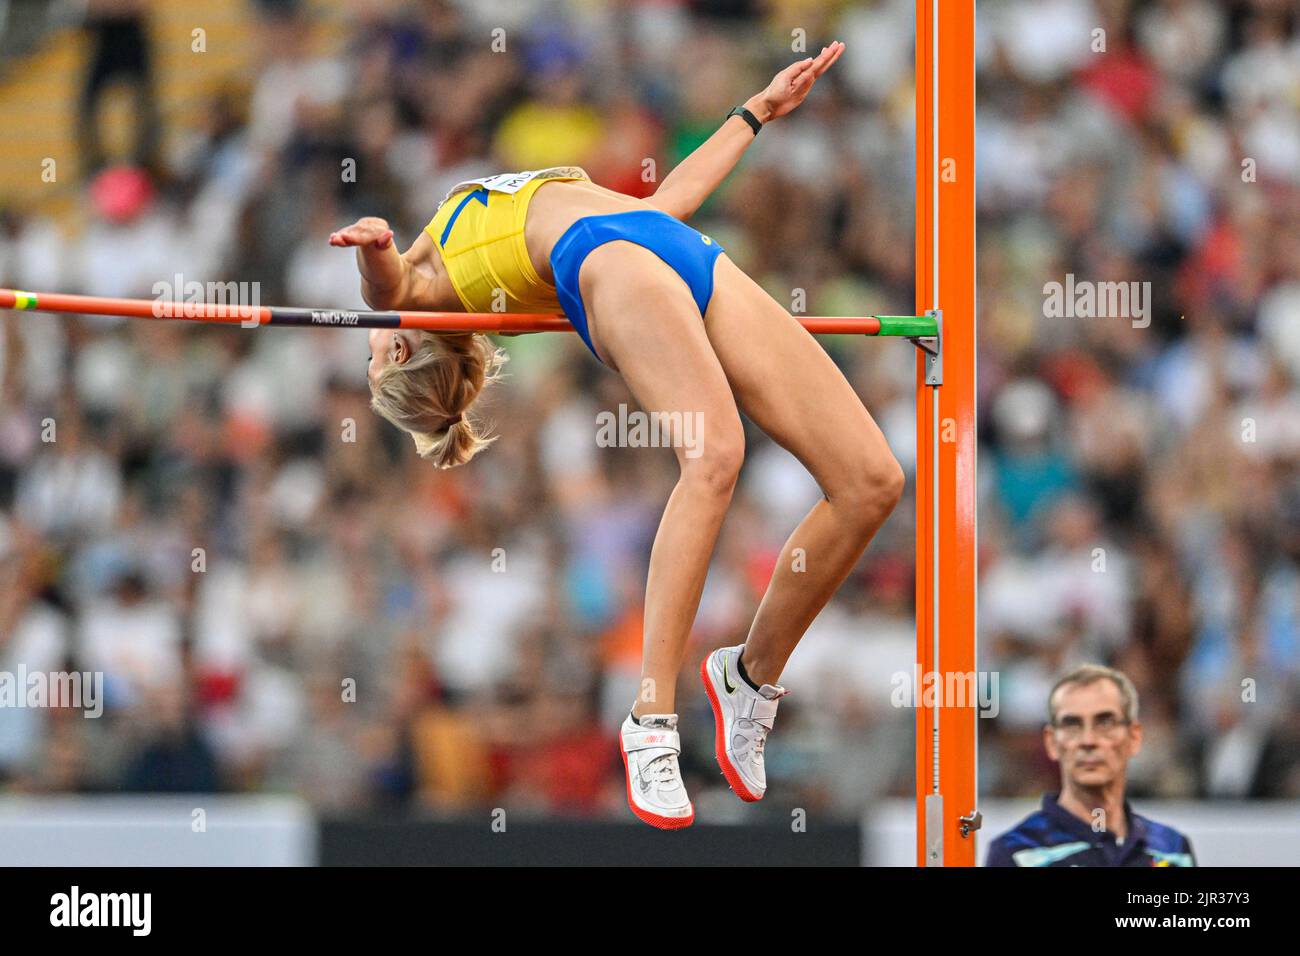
{"x":479,"y":232}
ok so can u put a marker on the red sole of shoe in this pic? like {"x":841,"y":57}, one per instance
{"x":720,"y":743}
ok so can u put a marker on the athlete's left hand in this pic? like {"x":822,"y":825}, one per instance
{"x":791,"y":86}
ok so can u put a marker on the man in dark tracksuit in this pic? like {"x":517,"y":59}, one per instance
{"x":1055,"y":837}
{"x":1092,"y":732}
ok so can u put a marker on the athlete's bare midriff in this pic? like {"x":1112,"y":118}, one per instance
{"x":558,"y":205}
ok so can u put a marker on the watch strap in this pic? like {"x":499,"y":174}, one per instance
{"x":747,"y":116}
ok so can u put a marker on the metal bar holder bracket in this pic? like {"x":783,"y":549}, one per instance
{"x":932,"y":346}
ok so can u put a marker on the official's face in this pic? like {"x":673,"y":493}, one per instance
{"x":1090,"y":738}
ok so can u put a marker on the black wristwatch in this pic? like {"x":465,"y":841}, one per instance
{"x":747,"y":116}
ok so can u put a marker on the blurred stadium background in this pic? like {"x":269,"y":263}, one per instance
{"x":327,"y":559}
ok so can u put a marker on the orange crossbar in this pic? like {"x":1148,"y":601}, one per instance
{"x":433,"y":321}
{"x":946,"y":750}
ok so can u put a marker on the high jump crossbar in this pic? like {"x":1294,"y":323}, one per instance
{"x":946,"y":745}
{"x":905,"y":326}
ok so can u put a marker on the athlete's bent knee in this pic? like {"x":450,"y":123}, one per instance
{"x":872,"y":489}
{"x":715,"y":469}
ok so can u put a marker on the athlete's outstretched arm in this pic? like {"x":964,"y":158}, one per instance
{"x":390,"y":280}
{"x":686,"y":187}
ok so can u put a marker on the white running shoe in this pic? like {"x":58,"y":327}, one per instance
{"x":655,"y":791}
{"x":742,"y":718}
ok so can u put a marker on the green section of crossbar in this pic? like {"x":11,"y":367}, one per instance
{"x":909,"y":325}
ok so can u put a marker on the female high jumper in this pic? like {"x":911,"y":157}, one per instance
{"x":690,"y":333}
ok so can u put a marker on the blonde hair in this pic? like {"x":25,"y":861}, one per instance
{"x":442,"y":378}
{"x":1086,"y":674}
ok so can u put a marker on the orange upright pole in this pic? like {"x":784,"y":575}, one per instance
{"x":946,"y":751}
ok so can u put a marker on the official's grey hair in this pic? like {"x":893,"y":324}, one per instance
{"x":1087,"y":674}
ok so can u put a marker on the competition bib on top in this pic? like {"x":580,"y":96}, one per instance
{"x":513,"y":182}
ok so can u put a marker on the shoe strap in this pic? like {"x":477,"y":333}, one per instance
{"x":661,"y":734}
{"x":760,"y":709}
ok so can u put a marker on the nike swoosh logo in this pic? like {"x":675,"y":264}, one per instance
{"x":725,"y":679}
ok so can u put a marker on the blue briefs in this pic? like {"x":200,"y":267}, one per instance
{"x":690,"y":253}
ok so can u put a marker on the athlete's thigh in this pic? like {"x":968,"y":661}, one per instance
{"x":785,"y":382}
{"x":646,"y":325}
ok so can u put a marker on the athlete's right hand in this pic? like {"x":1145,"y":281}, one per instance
{"x":368,"y":231}
{"x":792,"y":85}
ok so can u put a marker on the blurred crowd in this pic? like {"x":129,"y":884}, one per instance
{"x":282,"y":597}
